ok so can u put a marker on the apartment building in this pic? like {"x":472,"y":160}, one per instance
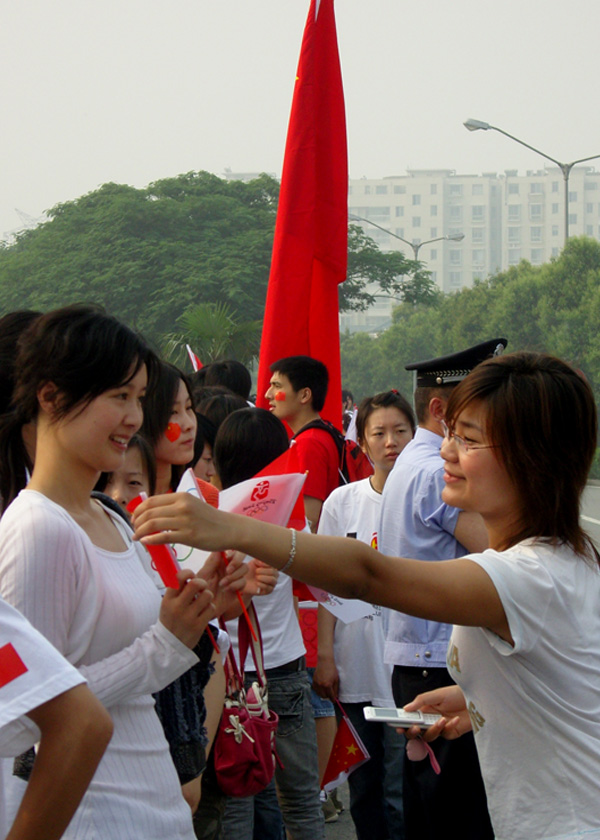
{"x":503,"y":218}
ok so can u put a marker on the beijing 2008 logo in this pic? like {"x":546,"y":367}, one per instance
{"x":261,"y":491}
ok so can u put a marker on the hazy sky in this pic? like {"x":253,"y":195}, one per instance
{"x":136,"y":90}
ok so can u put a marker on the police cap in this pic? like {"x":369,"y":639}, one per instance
{"x":449,"y":370}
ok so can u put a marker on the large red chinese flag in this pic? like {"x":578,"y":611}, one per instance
{"x":311,"y":231}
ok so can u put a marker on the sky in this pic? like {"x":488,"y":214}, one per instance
{"x":132,"y":91}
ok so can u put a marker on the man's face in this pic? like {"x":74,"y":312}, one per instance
{"x":284,"y":402}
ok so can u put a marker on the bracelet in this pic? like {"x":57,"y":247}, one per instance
{"x":292,"y":554}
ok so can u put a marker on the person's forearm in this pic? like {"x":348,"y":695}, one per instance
{"x":76,"y":730}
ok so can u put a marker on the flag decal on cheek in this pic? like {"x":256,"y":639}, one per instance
{"x":11,"y":665}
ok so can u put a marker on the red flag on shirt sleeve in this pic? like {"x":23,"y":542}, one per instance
{"x":11,"y":665}
{"x":310,"y":248}
{"x":348,"y":753}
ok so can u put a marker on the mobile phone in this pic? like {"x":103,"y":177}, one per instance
{"x":398,"y":717}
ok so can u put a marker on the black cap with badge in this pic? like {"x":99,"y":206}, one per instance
{"x":450,"y":370}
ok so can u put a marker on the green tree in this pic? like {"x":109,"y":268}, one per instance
{"x":149,"y":255}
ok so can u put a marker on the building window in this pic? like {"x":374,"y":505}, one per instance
{"x":554,"y":230}
{"x":350,"y":190}
{"x":377,"y":213}
{"x":478,"y":256}
{"x":367,"y":189}
{"x":400,"y":232}
{"x":536,"y":212}
{"x":477,"y":189}
{"x":455,"y":257}
{"x":381,"y":189}
{"x":433,"y":189}
{"x":554,"y":186}
{"x":456,"y":189}
{"x":572,"y":218}
{"x":536,"y":234}
{"x":589,"y":207}
{"x":478,"y":235}
{"x":416,"y":199}
{"x":399,"y":211}
{"x":555,"y":208}
{"x":514,"y":256}
{"x":514,"y":235}
{"x":555,"y":252}
{"x":433,"y":276}
{"x":514,"y":212}
{"x":513,"y":189}
{"x":399,"y":190}
{"x":589,"y":230}
{"x":536,"y":189}
{"x":455,"y":278}
{"x":455,"y":215}
{"x":477,"y":214}
{"x":433,"y":232}
{"x":433,"y":210}
{"x":477,"y":276}
{"x":572,"y":195}
{"x":433,"y":254}
{"x":536,"y":256}
{"x":416,"y":221}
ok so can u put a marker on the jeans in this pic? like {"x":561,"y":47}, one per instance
{"x":376,"y":786}
{"x":297,"y":781}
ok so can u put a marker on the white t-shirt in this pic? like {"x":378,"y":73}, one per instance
{"x":535,"y":707}
{"x":353,"y":510}
{"x":32,"y":672}
{"x":99,"y":609}
{"x":279,"y":628}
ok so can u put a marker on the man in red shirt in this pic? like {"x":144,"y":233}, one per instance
{"x":296,"y":394}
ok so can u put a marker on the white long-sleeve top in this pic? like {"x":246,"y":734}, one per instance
{"x":100,"y":609}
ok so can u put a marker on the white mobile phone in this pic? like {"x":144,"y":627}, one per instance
{"x":398,"y":717}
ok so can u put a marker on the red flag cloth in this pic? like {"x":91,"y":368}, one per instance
{"x":310,"y":248}
{"x":283,"y":465}
{"x":196,"y":363}
{"x":11,"y":665}
{"x":348,"y":753}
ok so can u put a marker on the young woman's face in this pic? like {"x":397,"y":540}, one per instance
{"x":129,"y":480}
{"x":176,"y":446}
{"x":204,"y":467}
{"x":387,"y":431}
{"x":98,"y":436}
{"x":474,"y":475}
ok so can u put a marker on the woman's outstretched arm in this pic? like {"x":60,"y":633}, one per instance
{"x":452,"y":591}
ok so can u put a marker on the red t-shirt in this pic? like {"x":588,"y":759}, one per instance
{"x":317,"y":453}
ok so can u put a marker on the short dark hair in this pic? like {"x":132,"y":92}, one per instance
{"x":247,"y":441}
{"x":217,"y":408}
{"x":231,"y":373}
{"x":305,"y":372}
{"x":541,"y":417}
{"x":423,"y":396}
{"x":386,"y":399}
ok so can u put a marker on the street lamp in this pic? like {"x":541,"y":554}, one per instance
{"x":416,"y":246}
{"x":478,"y":125}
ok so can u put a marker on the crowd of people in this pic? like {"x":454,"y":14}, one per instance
{"x":464,"y":542}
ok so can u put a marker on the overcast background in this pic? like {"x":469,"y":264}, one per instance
{"x":137,"y":90}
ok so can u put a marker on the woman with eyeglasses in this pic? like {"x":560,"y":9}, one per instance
{"x":525,"y":651}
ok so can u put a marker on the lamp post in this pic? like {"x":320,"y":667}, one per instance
{"x":416,"y":246}
{"x":478,"y":125}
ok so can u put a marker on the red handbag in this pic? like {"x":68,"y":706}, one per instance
{"x":244,"y":749}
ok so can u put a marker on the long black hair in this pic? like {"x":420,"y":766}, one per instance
{"x":83,"y":352}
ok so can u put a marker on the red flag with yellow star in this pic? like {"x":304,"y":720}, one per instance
{"x":347,"y":754}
